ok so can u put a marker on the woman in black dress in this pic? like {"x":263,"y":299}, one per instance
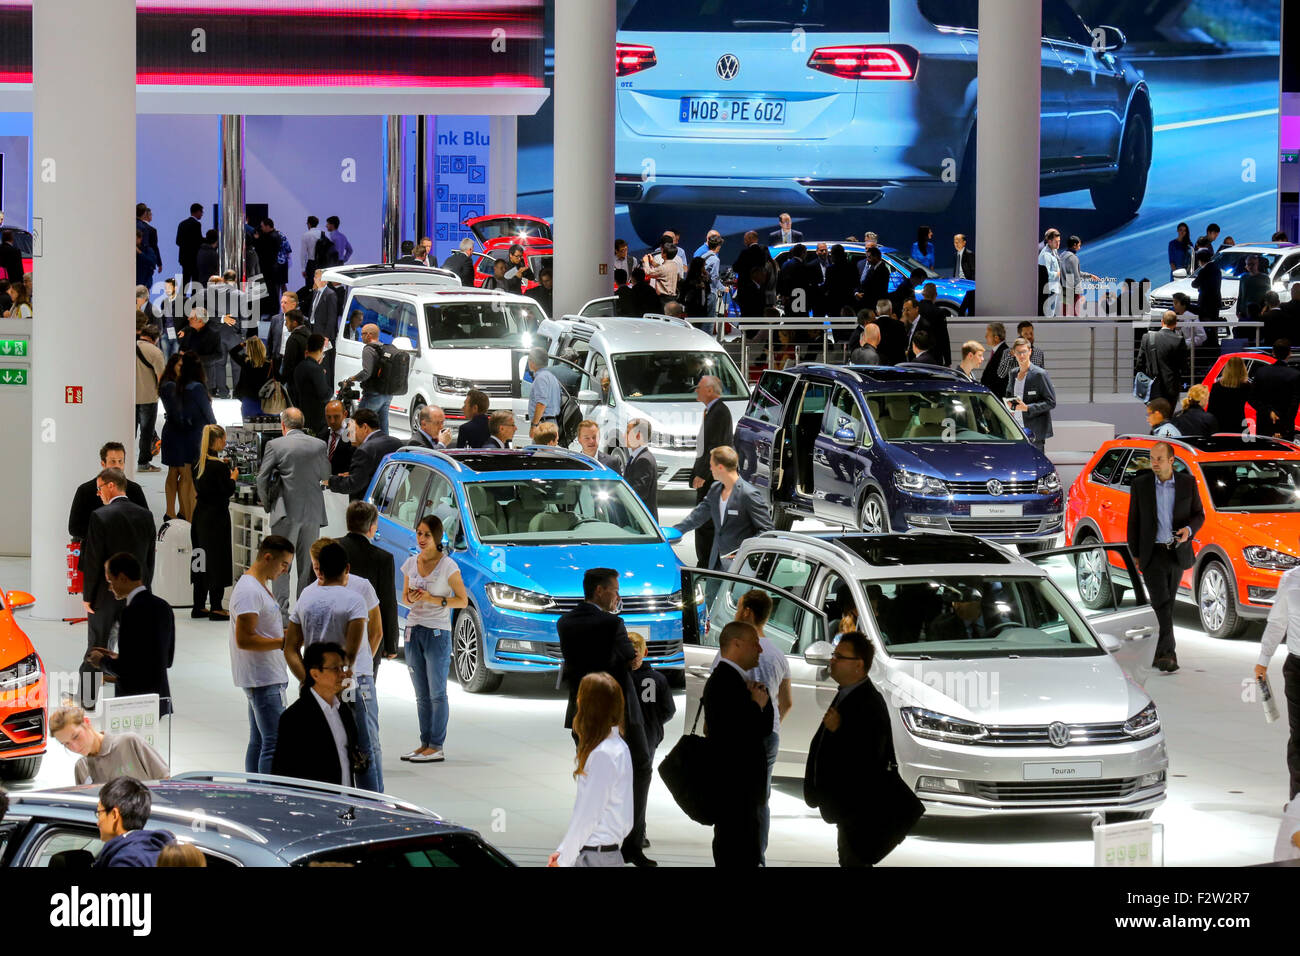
{"x":1228,"y":396}
{"x":212,"y":570}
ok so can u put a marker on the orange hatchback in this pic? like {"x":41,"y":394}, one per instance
{"x":1250,"y":490}
{"x":22,"y":694}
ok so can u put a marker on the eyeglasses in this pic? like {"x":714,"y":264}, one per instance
{"x":100,"y":812}
{"x":842,"y":657}
{"x":341,"y":668}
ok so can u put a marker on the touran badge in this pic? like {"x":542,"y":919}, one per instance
{"x":1058,"y":734}
{"x":728,"y":66}
{"x":994,"y":486}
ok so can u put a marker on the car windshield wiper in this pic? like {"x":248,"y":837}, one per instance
{"x":776,"y":24}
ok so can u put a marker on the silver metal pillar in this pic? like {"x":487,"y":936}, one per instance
{"x":83,"y":367}
{"x":231,"y":242}
{"x":423,"y":179}
{"x":584,"y":152}
{"x":503,"y":161}
{"x":1007,"y":156}
{"x":390,"y":209}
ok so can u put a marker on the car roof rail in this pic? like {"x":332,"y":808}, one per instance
{"x":591,"y":322}
{"x":663,"y":317}
{"x":296,"y":783}
{"x":386,"y":273}
{"x":194,"y":818}
{"x":826,"y":367}
{"x":433,"y":453}
{"x":934,"y":370}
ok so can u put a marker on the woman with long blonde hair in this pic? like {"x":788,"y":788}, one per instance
{"x":254,"y":372}
{"x":602,"y":811}
{"x":1228,"y":398}
{"x":212,"y":566}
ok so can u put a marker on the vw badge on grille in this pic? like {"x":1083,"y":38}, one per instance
{"x":994,"y":486}
{"x":1058,"y":735}
{"x":727,"y":66}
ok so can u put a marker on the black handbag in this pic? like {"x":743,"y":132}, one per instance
{"x":893,"y":811}
{"x":688,"y":773}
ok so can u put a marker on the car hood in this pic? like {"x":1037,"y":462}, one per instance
{"x":557,"y":569}
{"x":971,"y":461}
{"x":1027,"y":690}
{"x":1276,"y":530}
{"x":954,"y":289}
{"x":14,"y":645}
{"x":1228,"y":289}
{"x":675,"y":418}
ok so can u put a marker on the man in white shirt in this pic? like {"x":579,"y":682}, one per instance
{"x":1047,"y":258}
{"x":620,"y":256}
{"x":1284,"y":620}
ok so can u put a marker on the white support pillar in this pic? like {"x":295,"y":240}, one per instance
{"x":1006,"y":156}
{"x":83,"y":83}
{"x":584,"y":151}
{"x":503,"y":164}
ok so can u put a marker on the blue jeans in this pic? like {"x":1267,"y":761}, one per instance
{"x":365,"y":704}
{"x":146,"y":417}
{"x":428,"y":655}
{"x":265,"y":704}
{"x":250,"y":408}
{"x":379,"y":405}
{"x":772,"y":744}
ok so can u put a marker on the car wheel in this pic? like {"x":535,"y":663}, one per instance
{"x":951,"y":310}
{"x":417,"y":404}
{"x":1122,"y":196}
{"x":1097,"y":590}
{"x":782,"y":518}
{"x":1217,"y":603}
{"x":649,"y":220}
{"x":468,"y":655}
{"x":1128,"y":816}
{"x":873,"y":516}
{"x":24,"y":768}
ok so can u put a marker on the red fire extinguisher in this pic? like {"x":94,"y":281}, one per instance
{"x":75,"y":579}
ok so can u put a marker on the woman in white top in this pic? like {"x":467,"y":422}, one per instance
{"x":431,"y":588}
{"x":602,"y":812}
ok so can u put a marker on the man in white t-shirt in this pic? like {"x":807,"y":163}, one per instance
{"x":257,"y":649}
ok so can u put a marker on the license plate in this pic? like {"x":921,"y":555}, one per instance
{"x":996,"y":511}
{"x":755,"y":111}
{"x":642,"y":630}
{"x":1085,"y":770}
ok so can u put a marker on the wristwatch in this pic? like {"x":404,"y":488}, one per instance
{"x":444,"y":602}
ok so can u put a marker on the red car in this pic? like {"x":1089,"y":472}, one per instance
{"x":22,"y":694}
{"x":1253,"y":360}
{"x":497,"y":233}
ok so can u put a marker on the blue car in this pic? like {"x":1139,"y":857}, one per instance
{"x":523,"y":525}
{"x":951,"y":291}
{"x":896,"y":449}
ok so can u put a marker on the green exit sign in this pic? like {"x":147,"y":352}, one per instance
{"x":15,"y":347}
{"x":14,"y":376}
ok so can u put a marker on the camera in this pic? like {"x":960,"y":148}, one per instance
{"x":348,"y":394}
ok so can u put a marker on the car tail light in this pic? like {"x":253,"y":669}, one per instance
{"x":865,"y":62}
{"x":632,"y":58}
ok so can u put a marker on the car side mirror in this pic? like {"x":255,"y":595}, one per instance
{"x":1108,"y":39}
{"x":403,"y":343}
{"x":671,"y":535}
{"x":588,"y":395}
{"x":1110,"y":642}
{"x":819,"y":653}
{"x":845,"y":435}
{"x":1180,"y":273}
{"x":21,"y":599}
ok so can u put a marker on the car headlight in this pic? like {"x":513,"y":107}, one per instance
{"x":26,"y":671}
{"x":926,"y":723}
{"x":1267,"y":559}
{"x":518,"y":599}
{"x":1144,"y":723}
{"x":675,"y":442}
{"x":918,"y":484}
{"x":457,"y":386}
{"x":1049,"y":483}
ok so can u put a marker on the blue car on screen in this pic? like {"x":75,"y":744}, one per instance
{"x":951,"y":292}
{"x":523,"y":525}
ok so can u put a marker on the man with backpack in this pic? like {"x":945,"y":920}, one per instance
{"x":273,"y":254}
{"x":384,"y":372}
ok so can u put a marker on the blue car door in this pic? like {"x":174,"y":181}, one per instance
{"x":838,"y":460}
{"x":400,"y":496}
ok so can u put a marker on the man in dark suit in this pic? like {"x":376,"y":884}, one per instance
{"x":502,"y":426}
{"x":147,"y":635}
{"x":461,"y":263}
{"x":593,"y":638}
{"x":317,"y":739}
{"x":737,"y":720}
{"x":875,"y":280}
{"x":476,"y":430}
{"x":86,"y":500}
{"x":734,"y":507}
{"x":963,"y":266}
{"x":335,"y":436}
{"x":1209,"y":304}
{"x":376,"y":566}
{"x":1277,"y":323}
{"x":189,"y":236}
{"x":433,"y":432}
{"x":1038,"y":395}
{"x":310,"y":388}
{"x":641,"y":470}
{"x":144,"y":225}
{"x":118,"y":526}
{"x":716,"y":430}
{"x":323,"y":317}
{"x":923,"y":351}
{"x":372,"y":447}
{"x":935,"y":321}
{"x":893,"y":336}
{"x":785,"y":233}
{"x":11,"y":260}
{"x":295,"y":350}
{"x":751,"y":298}
{"x":1164,"y":515}
{"x":277,"y":333}
{"x":1163,"y":355}
{"x":1275,"y":393}
{"x":407,"y":258}
{"x":995,"y":335}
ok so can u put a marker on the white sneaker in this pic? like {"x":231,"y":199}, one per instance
{"x":408,"y":755}
{"x":429,"y":758}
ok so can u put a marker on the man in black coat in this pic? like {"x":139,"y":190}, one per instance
{"x":118,"y":526}
{"x":1164,"y":515}
{"x":963,"y":266}
{"x":295,"y":350}
{"x":893,"y":338}
{"x":460,"y":262}
{"x":875,"y":280}
{"x":477,"y":429}
{"x":751,"y":298}
{"x":1163,"y":355}
{"x":1209,"y":304}
{"x":995,"y":335}
{"x":376,"y":566}
{"x":11,"y":260}
{"x":86,"y":501}
{"x":935,"y":321}
{"x":310,"y":388}
{"x":641,"y":470}
{"x":594,"y":639}
{"x":335,"y":436}
{"x":372,"y":447}
{"x":737,"y":721}
{"x":716,"y":430}
{"x":306,"y":745}
{"x":146,"y":643}
{"x":1275,"y":393}
{"x":189,"y":236}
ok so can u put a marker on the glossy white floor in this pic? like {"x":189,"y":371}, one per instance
{"x":508,"y":772}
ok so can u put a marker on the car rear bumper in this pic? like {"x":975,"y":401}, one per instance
{"x":921,"y":194}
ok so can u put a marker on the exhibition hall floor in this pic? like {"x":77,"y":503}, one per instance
{"x":509,"y":764}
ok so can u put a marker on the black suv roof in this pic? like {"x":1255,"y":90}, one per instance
{"x":889,"y":375}
{"x":897,"y":550}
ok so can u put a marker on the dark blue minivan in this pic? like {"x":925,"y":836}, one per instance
{"x":896,"y":449}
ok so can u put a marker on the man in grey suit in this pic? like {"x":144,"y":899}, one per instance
{"x":734,"y":505}
{"x":289,"y":485}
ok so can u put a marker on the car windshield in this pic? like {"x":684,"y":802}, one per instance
{"x":1254,"y":485}
{"x":907,"y":265}
{"x":977,"y":616}
{"x":508,"y":228}
{"x":480,"y":325}
{"x":1233,"y":263}
{"x":559,"y":511}
{"x":437,"y":850}
{"x":672,"y":376}
{"x":942,"y":416}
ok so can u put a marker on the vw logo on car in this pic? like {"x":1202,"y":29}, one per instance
{"x":1058,"y":734}
{"x":728,"y":66}
{"x":994,"y":486}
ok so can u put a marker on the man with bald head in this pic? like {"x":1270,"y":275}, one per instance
{"x":338,"y":444}
{"x":868,"y":342}
{"x":372,"y":353}
{"x":716,"y":431}
{"x":432,"y":432}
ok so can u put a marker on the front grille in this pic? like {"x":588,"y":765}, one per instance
{"x":1035,"y":735}
{"x":1160,"y":303}
{"x":1048,"y":791}
{"x":23,"y":729}
{"x":654,"y":650}
{"x":682,"y":474}
{"x":997,"y":525}
{"x":494,"y":389}
{"x":632,"y":604}
{"x":1028,"y":487}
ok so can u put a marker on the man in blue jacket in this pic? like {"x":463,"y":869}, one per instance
{"x":124,"y":805}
